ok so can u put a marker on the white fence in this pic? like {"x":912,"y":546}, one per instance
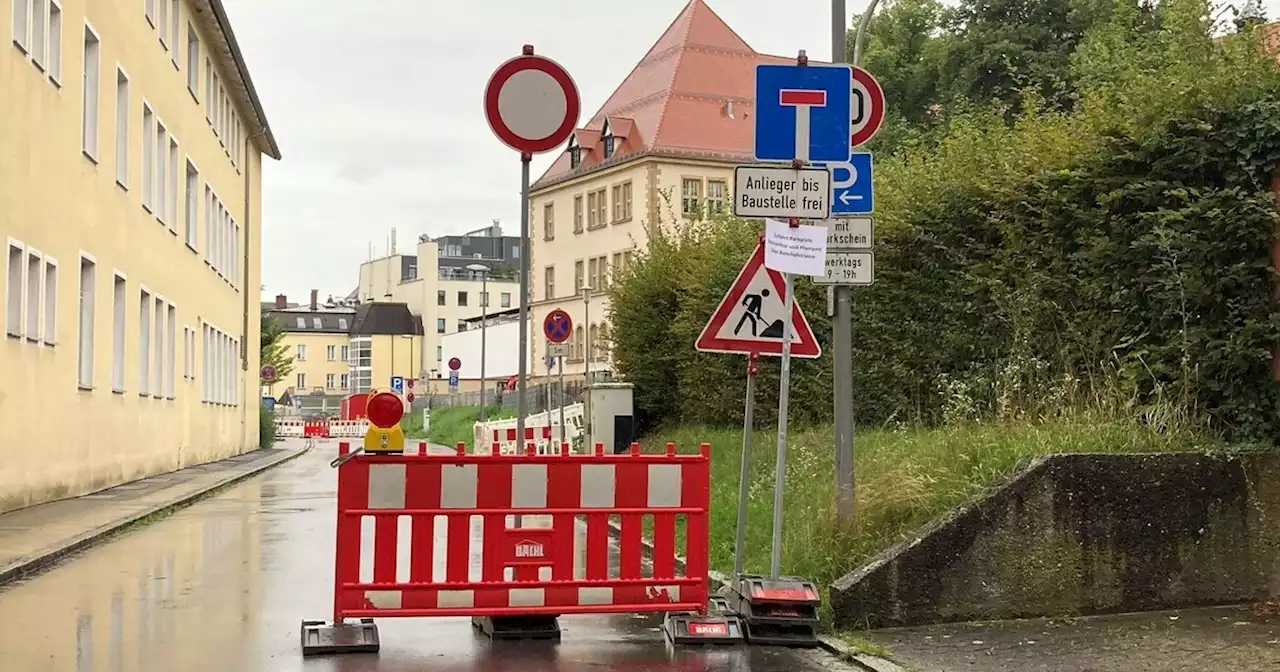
{"x":543,"y":429}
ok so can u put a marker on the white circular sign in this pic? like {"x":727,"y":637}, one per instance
{"x":532,"y":104}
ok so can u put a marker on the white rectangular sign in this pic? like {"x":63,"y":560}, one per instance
{"x":852,"y":233}
{"x":557,"y":349}
{"x":848,"y":268}
{"x":768,"y":191}
{"x":798,"y":250}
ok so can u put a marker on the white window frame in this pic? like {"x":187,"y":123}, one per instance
{"x":90,"y":131}
{"x":161,"y":188}
{"x":301,"y":380}
{"x":150,"y":12}
{"x":55,"y":42}
{"x":175,"y":156}
{"x":15,"y":291}
{"x":49,"y":332}
{"x":300,"y":352}
{"x":20,"y":17}
{"x":144,"y":338}
{"x":171,"y":346}
{"x":31,"y":303}
{"x":158,"y":317}
{"x":119,"y":329}
{"x":122,"y":127}
{"x":192,"y":206}
{"x":86,"y":341}
{"x":193,"y":61}
{"x":39,"y":31}
{"x":148,"y":157}
{"x":162,"y":23}
{"x":175,"y":33}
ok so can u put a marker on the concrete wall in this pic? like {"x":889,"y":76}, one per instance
{"x":503,"y":356}
{"x":1085,"y":534}
{"x":81,"y":215}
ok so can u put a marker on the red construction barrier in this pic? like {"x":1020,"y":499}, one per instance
{"x":316,"y":429}
{"x":425,"y":487}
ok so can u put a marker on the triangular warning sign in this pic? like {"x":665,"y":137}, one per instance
{"x":749,"y":318}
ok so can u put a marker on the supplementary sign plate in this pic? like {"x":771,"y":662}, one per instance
{"x":851,"y":233}
{"x":557,"y":350}
{"x":781,"y":192}
{"x":749,"y":318}
{"x":848,"y":267}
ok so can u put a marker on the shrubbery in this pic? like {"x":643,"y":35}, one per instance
{"x":1116,"y":256}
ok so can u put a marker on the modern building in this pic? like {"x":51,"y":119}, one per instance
{"x":438,"y":288}
{"x":130,"y":209}
{"x":492,"y":335}
{"x":660,"y":150}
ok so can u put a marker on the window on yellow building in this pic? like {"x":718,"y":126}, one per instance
{"x":602,"y":207}
{"x":622,"y":202}
{"x":715,"y":195}
{"x":548,"y":222}
{"x":577,"y":213}
{"x":690,"y":196}
{"x":549,"y":283}
{"x":591,"y":210}
{"x":577,"y":276}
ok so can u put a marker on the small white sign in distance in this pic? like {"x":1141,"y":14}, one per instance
{"x":850,"y":233}
{"x":848,"y":268}
{"x":557,"y":349}
{"x":781,"y":192}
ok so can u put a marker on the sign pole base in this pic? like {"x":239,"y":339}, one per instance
{"x":518,"y":627}
{"x":718,"y":627}
{"x":781,"y":611}
{"x":320,"y":638}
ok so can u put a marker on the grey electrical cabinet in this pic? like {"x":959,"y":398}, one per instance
{"x":610,"y":411}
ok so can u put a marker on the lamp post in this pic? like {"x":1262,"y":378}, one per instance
{"x":484,"y":320}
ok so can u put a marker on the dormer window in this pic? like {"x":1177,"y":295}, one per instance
{"x":575,"y":152}
{"x":607,"y":134}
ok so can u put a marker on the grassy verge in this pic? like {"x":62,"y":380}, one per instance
{"x":905,"y":479}
{"x":451,"y":424}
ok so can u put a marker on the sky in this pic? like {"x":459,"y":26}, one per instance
{"x":378,"y":110}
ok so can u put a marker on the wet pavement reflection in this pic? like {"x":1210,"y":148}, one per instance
{"x":224,"y":584}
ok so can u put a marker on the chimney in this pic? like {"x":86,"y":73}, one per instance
{"x":315,"y":294}
{"x":282,"y":301}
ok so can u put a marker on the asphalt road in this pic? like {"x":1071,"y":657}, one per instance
{"x":223,"y":585}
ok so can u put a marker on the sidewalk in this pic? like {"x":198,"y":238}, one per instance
{"x":1243,"y":638}
{"x":34,"y":538}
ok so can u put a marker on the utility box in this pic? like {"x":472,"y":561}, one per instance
{"x":610,"y":411}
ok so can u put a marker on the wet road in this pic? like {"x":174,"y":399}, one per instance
{"x":224,"y":584}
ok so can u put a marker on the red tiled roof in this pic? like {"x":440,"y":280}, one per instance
{"x":675,"y":99}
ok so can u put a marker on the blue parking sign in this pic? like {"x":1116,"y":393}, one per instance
{"x":397,"y":384}
{"x":851,"y":187}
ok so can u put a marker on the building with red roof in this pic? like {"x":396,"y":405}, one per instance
{"x":661,"y":148}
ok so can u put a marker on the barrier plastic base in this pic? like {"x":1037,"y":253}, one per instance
{"x":781,"y":611}
{"x":320,"y":637}
{"x":694,"y":629}
{"x":518,"y":627}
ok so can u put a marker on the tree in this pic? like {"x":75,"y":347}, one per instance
{"x":274,"y":352}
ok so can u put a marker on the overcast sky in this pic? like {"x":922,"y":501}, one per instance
{"x":377,"y":107}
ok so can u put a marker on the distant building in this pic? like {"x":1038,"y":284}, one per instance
{"x":131,"y":150}
{"x":501,"y":332}
{"x":338,"y":350}
{"x":662,"y":148}
{"x":438,"y":289}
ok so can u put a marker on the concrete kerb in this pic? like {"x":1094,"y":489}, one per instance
{"x":46,"y":559}
{"x":843,"y":651}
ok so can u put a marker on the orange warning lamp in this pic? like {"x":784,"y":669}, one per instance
{"x":384,"y":410}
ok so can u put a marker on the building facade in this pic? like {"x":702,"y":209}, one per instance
{"x":661,"y":150}
{"x":437,"y":287}
{"x":318,"y":338}
{"x":130,"y":208}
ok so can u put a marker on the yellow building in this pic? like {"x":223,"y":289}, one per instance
{"x":318,"y":338}
{"x":661,"y":149}
{"x":437,"y":287}
{"x":130,"y":195}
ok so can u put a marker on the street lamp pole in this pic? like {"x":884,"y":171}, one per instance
{"x":484,"y":330}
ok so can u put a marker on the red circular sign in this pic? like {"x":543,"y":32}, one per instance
{"x":268,"y":373}
{"x":557,"y":326}
{"x":455,"y":363}
{"x":384,"y":409}
{"x":409,"y":397}
{"x":868,"y":106}
{"x":531,"y":103}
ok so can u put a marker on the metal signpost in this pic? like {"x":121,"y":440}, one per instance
{"x":557,"y":327}
{"x":804,"y":113}
{"x":532,"y":106}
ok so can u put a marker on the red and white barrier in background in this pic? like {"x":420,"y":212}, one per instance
{"x":424,"y":488}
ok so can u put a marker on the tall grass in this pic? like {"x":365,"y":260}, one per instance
{"x":451,"y":424}
{"x":905,"y":478}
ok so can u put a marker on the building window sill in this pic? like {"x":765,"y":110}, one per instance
{"x":84,"y":388}
{"x":597,"y":227}
{"x":624,"y":220}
